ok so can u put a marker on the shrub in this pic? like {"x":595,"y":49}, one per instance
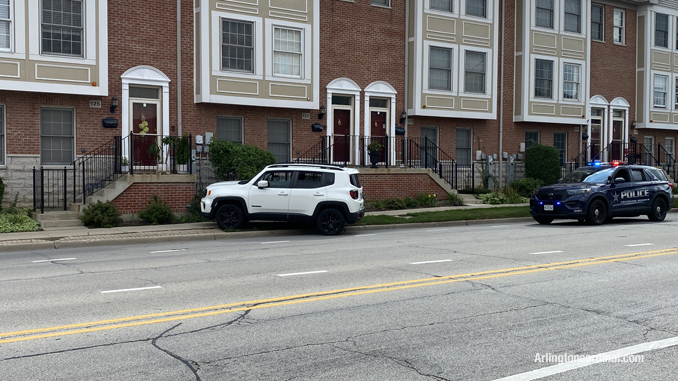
{"x":426,"y":199}
{"x":193,"y":214}
{"x":526,"y":186}
{"x":237,"y":161}
{"x":2,"y":192}
{"x":100,"y":215}
{"x":183,"y":153}
{"x":542,"y":163}
{"x":394,"y":203}
{"x":455,"y":199}
{"x":410,"y":203}
{"x":19,"y":221}
{"x":506,"y":196}
{"x":156,"y":211}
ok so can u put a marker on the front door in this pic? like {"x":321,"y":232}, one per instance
{"x":146,"y":145}
{"x":378,"y":130}
{"x":342,"y":130}
{"x":616,"y":149}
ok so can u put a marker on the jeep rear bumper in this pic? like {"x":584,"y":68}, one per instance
{"x":352,"y":218}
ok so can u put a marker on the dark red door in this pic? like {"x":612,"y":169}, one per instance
{"x":342,"y":123}
{"x":378,"y":130}
{"x":144,"y":154}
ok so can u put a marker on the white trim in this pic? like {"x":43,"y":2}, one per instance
{"x":489,"y":80}
{"x":454,"y":13}
{"x":3,"y":126}
{"x":555,"y":79}
{"x":454,"y":70}
{"x":584,"y":23}
{"x":582,"y":81}
{"x":348,"y":87}
{"x":489,"y":11}
{"x":215,"y":47}
{"x":12,"y":28}
{"x":556,"y":18}
{"x":381,"y":89}
{"x":306,"y":45}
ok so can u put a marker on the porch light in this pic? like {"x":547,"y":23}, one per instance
{"x":114,"y":104}
{"x":403,"y":116}
{"x":321,"y":114}
{"x":633,"y":125}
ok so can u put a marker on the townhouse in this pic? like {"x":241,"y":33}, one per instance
{"x":311,"y":79}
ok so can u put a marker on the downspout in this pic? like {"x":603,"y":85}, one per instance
{"x":179,"y":126}
{"x":407,"y":67}
{"x":501,"y":94}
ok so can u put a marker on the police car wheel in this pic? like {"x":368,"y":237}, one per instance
{"x":597,"y":213}
{"x":658,"y":210}
{"x":543,"y":220}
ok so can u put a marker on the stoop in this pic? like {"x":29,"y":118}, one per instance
{"x":54,"y":220}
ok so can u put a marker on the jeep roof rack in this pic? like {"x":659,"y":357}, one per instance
{"x":321,"y":166}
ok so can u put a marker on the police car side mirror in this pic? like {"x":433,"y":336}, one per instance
{"x":619,"y":180}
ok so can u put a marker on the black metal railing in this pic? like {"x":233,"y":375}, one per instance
{"x":160,"y":153}
{"x":667,"y":162}
{"x":98,"y":168}
{"x":50,"y":188}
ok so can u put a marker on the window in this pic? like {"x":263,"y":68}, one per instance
{"x":441,"y":5}
{"x":660,"y":88}
{"x":237,"y":46}
{"x":279,"y":132}
{"x":571,"y":81}
{"x":440,"y":69}
{"x":476,"y":8}
{"x":597,"y":16}
{"x":278,"y":179}
{"x":5,"y":25}
{"x":559,"y":141}
{"x":287,"y":52}
{"x":648,"y":151}
{"x":463,"y":146}
{"x":474,"y":72}
{"x":573,"y":16}
{"x":531,"y":138}
{"x":56,"y":136}
{"x":310,"y":180}
{"x":618,"y":26}
{"x":544,"y":14}
{"x":661,"y":30}
{"x":676,"y":96}
{"x":2,"y":135}
{"x":543,"y":79}
{"x":670,"y":148}
{"x":379,"y":102}
{"x":62,"y":31}
{"x":383,"y":3}
{"x":229,"y":129}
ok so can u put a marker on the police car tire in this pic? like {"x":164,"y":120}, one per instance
{"x":658,"y":211}
{"x":599,"y":218}
{"x":543,"y":220}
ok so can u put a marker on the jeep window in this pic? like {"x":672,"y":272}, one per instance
{"x":309,"y":180}
{"x":329,"y":179}
{"x":355,"y":181}
{"x":278,"y":179}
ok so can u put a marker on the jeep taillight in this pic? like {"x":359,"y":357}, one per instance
{"x":355,"y":194}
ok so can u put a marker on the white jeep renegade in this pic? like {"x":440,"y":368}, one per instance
{"x":326,"y":195}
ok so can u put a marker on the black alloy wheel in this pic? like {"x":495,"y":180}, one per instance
{"x":331,"y":221}
{"x":229,"y":216}
{"x":597,"y":213}
{"x":658,"y":210}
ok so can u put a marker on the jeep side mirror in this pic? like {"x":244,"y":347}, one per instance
{"x":262,"y":184}
{"x":619,"y":180}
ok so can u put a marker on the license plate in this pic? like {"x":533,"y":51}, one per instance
{"x":548,"y":208}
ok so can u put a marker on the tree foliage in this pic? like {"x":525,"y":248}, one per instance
{"x":542,"y":163}
{"x":237,"y":161}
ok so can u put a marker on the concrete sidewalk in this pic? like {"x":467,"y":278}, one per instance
{"x":84,"y":237}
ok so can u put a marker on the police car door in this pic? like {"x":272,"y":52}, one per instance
{"x":644,"y":189}
{"x":623,"y":194}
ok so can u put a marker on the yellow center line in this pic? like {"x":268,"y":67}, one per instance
{"x":317,"y":296}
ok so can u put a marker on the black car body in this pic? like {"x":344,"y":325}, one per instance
{"x":599,"y":192}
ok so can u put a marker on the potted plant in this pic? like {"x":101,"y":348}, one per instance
{"x":124,"y":165}
{"x":375,"y":148}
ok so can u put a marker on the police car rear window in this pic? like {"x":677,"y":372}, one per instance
{"x":656,"y":174}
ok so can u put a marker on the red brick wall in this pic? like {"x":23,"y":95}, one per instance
{"x":383,"y":186}
{"x":135,"y":198}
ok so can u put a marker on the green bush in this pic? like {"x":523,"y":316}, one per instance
{"x":2,"y":191}
{"x":426,"y":199}
{"x":455,"y":199}
{"x":100,"y":215}
{"x":394,"y":203}
{"x":156,"y":211}
{"x":506,"y":196}
{"x":410,"y":203}
{"x":542,"y":163}
{"x":18,"y":221}
{"x":526,"y":186}
{"x":193,"y":214}
{"x":183,"y":153}
{"x":237,"y":161}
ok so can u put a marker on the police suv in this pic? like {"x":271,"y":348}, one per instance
{"x":597,"y":193}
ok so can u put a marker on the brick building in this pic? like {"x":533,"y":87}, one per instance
{"x":439,"y":79}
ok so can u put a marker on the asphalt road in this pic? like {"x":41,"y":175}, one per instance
{"x":478,"y":302}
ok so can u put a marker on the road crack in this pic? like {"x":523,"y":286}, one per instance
{"x":192,"y":365}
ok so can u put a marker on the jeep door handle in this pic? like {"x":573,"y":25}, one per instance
{"x":283,"y":194}
{"x":318,"y":194}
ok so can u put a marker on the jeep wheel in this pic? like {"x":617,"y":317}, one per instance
{"x":543,"y":220}
{"x":658,"y":210}
{"x":229,"y":216}
{"x":597,"y":213}
{"x":330,"y":222}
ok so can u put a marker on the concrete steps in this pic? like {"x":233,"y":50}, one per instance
{"x":469,"y":199}
{"x":54,"y":220}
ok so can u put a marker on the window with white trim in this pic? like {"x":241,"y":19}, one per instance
{"x":544,"y":13}
{"x":383,"y":3}
{"x":597,"y":18}
{"x":5,"y":25}
{"x":2,"y":135}
{"x":474,"y":72}
{"x":287,"y":52}
{"x":279,"y":138}
{"x":440,"y":69}
{"x":229,"y":128}
{"x":543,"y":79}
{"x":661,"y":84}
{"x":62,"y":27}
{"x":676,"y":95}
{"x":476,"y":8}
{"x":661,"y":30}
{"x":237,"y":46}
{"x":571,"y":81}
{"x":573,"y":16}
{"x":57,"y":130}
{"x":618,"y":26}
{"x":441,"y":5}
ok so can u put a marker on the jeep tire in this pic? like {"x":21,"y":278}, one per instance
{"x":331,"y":221}
{"x":229,"y":216}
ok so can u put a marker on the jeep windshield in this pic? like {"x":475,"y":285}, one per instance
{"x":588,"y":175}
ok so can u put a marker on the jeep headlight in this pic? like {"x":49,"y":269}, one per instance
{"x":572,"y":192}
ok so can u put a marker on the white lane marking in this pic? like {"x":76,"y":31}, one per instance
{"x":437,"y":230}
{"x":167,"y":251}
{"x":641,"y":244}
{"x":54,"y":260}
{"x":130,"y":289}
{"x":363,"y":235}
{"x":272,"y":242}
{"x":425,"y":262}
{"x":306,"y":273}
{"x":595,"y":359}
{"x":546,"y":252}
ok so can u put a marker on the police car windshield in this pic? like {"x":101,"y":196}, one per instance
{"x":588,"y":175}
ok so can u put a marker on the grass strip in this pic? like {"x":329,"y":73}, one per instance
{"x":447,"y":215}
